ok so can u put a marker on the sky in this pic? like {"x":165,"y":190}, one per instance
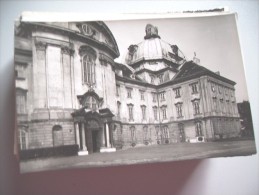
{"x":213,"y":38}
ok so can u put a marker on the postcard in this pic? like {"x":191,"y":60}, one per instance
{"x":94,"y":93}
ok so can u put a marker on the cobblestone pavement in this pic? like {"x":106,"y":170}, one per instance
{"x":158,"y":153}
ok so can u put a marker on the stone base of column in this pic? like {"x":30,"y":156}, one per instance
{"x":102,"y":150}
{"x":82,"y":153}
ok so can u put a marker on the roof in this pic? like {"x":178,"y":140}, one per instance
{"x":113,"y":48}
{"x":191,"y":70}
{"x":153,"y":48}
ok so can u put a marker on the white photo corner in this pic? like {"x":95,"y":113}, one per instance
{"x":108,"y":90}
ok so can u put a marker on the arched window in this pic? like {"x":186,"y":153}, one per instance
{"x":165,"y":132}
{"x":143,"y":110}
{"x":91,"y":103}
{"x":89,"y":69}
{"x":130,"y":108}
{"x":57,"y":135}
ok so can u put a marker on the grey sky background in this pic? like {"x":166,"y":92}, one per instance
{"x":214,"y":39}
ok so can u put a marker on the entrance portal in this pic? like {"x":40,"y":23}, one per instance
{"x":94,"y":138}
{"x":92,"y":131}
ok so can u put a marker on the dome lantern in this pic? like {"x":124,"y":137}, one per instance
{"x":151,"y":32}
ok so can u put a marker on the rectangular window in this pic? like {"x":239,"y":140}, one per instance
{"x":161,"y":78}
{"x":164,"y":112}
{"x":196,"y":107}
{"x":227,"y":106}
{"x":226,"y":92}
{"x":21,"y":103}
{"x":129,"y":92}
{"x":162,"y":96}
{"x":143,"y":109}
{"x":117,"y":90}
{"x":130,"y":107}
{"x":213,"y":88}
{"x":194,"y":88}
{"x":215,"y":107}
{"x":222,"y":106}
{"x":179,"y":110}
{"x":220,"y":89}
{"x":198,"y":129}
{"x":177,"y":92}
{"x":147,"y":133}
{"x":23,"y":139}
{"x":133,"y":133}
{"x":23,"y":142}
{"x":155,"y":112}
{"x":89,"y":69}
{"x":154,"y":96}
{"x":142,"y":95}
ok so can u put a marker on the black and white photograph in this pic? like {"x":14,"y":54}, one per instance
{"x":124,"y":92}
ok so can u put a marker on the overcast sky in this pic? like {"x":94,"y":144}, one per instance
{"x":214,"y":39}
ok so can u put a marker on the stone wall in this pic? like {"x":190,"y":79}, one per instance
{"x":40,"y":134}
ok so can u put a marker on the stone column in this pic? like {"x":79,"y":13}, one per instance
{"x":77,"y":134}
{"x":111,"y":134}
{"x":83,"y":137}
{"x":107,"y":135}
{"x":103,"y":137}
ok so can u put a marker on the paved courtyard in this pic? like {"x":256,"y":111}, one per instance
{"x":160,"y":153}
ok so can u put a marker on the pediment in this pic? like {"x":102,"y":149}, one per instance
{"x":98,"y":31}
{"x":90,"y":93}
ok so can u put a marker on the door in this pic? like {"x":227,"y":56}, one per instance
{"x":95,"y":141}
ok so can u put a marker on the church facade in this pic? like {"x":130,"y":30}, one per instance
{"x":70,"y":91}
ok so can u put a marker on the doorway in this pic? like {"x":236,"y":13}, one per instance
{"x":95,"y":140}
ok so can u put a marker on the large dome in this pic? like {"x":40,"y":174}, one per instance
{"x":153,"y":48}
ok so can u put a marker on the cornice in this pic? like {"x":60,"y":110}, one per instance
{"x":76,"y":35}
{"x":156,"y":72}
{"x":141,"y":60}
{"x":41,"y":43}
